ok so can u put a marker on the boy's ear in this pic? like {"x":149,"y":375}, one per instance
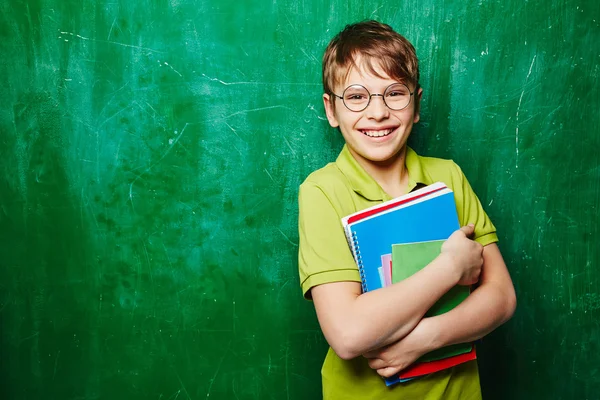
{"x":329,"y":110}
{"x":418,"y":96}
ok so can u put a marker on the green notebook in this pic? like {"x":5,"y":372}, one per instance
{"x":411,"y":257}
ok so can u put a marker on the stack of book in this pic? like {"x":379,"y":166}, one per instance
{"x":395,"y":239}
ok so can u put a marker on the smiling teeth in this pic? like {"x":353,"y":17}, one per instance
{"x":380,"y":133}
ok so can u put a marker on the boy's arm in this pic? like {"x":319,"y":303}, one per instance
{"x":354,"y":323}
{"x":486,"y":308}
{"x":489,"y":306}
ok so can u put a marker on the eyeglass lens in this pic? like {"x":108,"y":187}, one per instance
{"x":397,"y":97}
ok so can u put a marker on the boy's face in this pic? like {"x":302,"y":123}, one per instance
{"x":377,"y":134}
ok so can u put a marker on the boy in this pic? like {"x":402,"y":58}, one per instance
{"x":372,"y":94}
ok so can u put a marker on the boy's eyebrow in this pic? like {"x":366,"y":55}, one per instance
{"x":392,"y":82}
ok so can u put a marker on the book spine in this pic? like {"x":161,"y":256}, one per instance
{"x":359,"y":262}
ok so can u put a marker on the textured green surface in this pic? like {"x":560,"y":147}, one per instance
{"x":149,"y":163}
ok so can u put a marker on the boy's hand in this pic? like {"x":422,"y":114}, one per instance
{"x":465,"y":254}
{"x":390,"y":360}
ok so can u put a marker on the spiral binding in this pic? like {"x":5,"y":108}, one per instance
{"x":359,"y":262}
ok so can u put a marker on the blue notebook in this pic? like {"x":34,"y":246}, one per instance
{"x":423,"y":215}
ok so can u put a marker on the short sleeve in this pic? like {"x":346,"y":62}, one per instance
{"x":470,"y":210}
{"x":323,"y":255}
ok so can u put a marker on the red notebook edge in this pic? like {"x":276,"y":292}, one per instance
{"x":429,"y":367}
{"x":392,"y":204}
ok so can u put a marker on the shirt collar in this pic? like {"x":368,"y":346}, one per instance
{"x":362,"y":183}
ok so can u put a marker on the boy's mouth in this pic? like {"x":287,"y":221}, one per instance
{"x":377,"y":133}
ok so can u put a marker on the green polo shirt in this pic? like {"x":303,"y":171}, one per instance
{"x":342,"y":188}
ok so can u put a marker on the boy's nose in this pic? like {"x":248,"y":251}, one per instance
{"x":377,"y":109}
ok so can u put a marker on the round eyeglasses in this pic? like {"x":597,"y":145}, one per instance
{"x":357,"y":98}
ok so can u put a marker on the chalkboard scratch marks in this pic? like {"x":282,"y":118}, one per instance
{"x":270,"y":176}
{"x":294,"y":27}
{"x":172,"y":143}
{"x":29,"y":337}
{"x":234,"y":131}
{"x":176,"y":394}
{"x":287,"y":373}
{"x":118,"y":150}
{"x":149,"y":268}
{"x":233,"y":317}
{"x":551,"y":113}
{"x":55,"y":365}
{"x":111,"y":28}
{"x":74,"y":35}
{"x":255,"y":110}
{"x":260,"y":83}
{"x":85,"y":203}
{"x":530,"y":118}
{"x":287,"y":238}
{"x":288,"y":145}
{"x":518,"y":110}
{"x":110,"y":102}
{"x":309,"y":56}
{"x":169,"y":258}
{"x":506,"y":125}
{"x":262,"y":200}
{"x":169,"y":65}
{"x":269,"y":366}
{"x":508,"y":97}
{"x":152,"y":108}
{"x":312,"y":108}
{"x":129,"y":45}
{"x":234,"y":392}
{"x":377,"y":9}
{"x":238,"y":150}
{"x":212,"y":381}
{"x":112,"y":116}
{"x":224,"y":83}
{"x":281,"y":290}
{"x":182,"y":385}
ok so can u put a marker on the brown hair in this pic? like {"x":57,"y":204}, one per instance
{"x":376,"y":44}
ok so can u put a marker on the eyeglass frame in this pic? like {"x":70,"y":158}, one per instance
{"x":377,"y":94}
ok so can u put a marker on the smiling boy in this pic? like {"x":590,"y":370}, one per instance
{"x":372,"y":94}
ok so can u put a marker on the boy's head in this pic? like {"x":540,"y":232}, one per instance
{"x":372,"y":74}
{"x":376,"y":45}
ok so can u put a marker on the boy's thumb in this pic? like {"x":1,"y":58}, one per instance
{"x":468,"y":230}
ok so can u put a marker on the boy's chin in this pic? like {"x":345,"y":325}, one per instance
{"x":380,"y":157}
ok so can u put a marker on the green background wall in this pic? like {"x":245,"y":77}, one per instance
{"x":150,"y":155}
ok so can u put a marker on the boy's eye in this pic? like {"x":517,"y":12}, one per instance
{"x":356,"y":96}
{"x":395,"y":93}
{"x":397,"y":90}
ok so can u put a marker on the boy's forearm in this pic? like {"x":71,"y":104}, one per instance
{"x":488,"y":307}
{"x":384,"y":316}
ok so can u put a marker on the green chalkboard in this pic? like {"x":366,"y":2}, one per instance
{"x":150,"y":157}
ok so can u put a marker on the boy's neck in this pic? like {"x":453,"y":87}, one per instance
{"x":391,"y":175}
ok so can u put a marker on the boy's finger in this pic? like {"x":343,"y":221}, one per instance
{"x":468,"y":230}
{"x":388,"y":371}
